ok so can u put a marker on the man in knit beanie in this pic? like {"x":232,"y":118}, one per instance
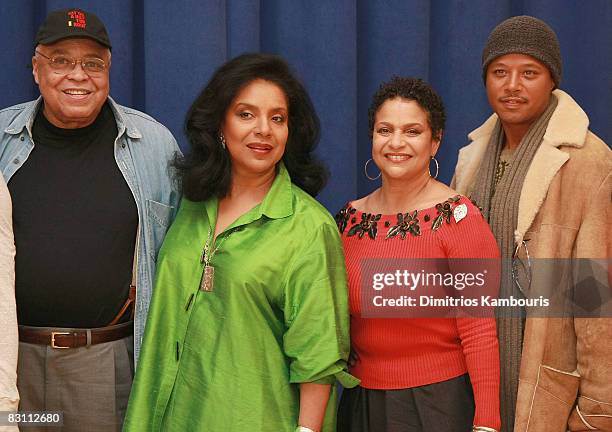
{"x":544,"y":182}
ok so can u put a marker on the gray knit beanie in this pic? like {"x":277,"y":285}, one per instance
{"x":524,"y":35}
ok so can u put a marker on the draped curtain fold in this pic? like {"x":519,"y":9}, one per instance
{"x":164,"y":52}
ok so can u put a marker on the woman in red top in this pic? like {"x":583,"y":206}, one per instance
{"x":430,"y":373}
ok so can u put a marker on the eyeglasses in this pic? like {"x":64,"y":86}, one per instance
{"x":63,"y":65}
{"x":521,"y":268}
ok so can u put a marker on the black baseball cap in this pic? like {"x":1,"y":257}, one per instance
{"x":72,"y":23}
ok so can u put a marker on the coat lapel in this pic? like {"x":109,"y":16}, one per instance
{"x":567,"y":127}
{"x":470,"y":157}
{"x":545,"y":164}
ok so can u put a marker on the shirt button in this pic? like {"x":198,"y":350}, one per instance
{"x":15,"y":161}
{"x":122,"y":145}
{"x":21,"y":138}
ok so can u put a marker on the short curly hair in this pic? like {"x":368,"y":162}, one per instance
{"x":412,"y":89}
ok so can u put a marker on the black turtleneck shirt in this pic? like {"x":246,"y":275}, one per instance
{"x":75,"y":223}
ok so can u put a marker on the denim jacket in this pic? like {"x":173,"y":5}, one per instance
{"x":143,"y":149}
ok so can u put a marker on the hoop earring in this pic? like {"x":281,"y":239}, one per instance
{"x":222,"y":140}
{"x":365,"y":170}
{"x":437,"y":168}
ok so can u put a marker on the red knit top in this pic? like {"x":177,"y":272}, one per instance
{"x":397,"y":353}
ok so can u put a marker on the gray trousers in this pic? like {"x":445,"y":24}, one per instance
{"x":90,"y":385}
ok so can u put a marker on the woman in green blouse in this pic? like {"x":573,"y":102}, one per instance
{"x":248,"y":325}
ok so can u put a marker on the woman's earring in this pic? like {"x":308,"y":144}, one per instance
{"x":437,"y":168}
{"x":365,"y":170}
{"x":222,"y":140}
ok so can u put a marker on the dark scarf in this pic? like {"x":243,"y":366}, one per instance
{"x":499,"y":205}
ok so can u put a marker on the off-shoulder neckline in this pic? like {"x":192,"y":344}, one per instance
{"x":451,"y":200}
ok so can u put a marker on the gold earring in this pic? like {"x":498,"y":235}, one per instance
{"x":437,"y":168}
{"x":365,"y":169}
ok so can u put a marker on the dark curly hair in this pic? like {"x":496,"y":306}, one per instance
{"x":205,"y":171}
{"x":412,"y":89}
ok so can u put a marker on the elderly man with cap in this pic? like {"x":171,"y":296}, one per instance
{"x":543,"y":181}
{"x":92,"y":196}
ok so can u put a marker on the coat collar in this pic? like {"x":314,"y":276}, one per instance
{"x":568,"y":127}
{"x":27,"y":116}
{"x":124,"y":125}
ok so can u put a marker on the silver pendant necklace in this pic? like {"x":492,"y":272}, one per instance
{"x":208,"y":275}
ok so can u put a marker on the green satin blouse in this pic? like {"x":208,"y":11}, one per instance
{"x":232,"y":359}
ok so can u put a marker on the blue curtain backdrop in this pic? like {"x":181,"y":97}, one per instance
{"x":165,"y":51}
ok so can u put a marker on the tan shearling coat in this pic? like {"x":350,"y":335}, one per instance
{"x":564,"y":211}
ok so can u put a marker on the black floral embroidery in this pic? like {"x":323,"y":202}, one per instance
{"x":343,"y":216}
{"x":406,"y":223}
{"x":445,"y":211}
{"x":368,"y":225}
